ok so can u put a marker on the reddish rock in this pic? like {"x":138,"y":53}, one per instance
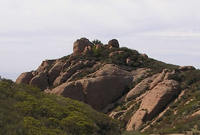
{"x":80,"y":45}
{"x":153,"y":103}
{"x":68,"y":73}
{"x":54,"y":72}
{"x":45,"y":65}
{"x":72,"y":90}
{"x":24,"y":78}
{"x":99,"y":89}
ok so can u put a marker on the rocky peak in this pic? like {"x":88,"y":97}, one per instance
{"x":113,"y":43}
{"x":121,"y":82}
{"x":81,"y":45}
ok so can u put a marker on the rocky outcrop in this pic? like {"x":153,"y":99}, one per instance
{"x":140,"y":88}
{"x":98,"y":90}
{"x":154,"y":101}
{"x":54,"y":72}
{"x":45,"y":65}
{"x":40,"y":81}
{"x":122,"y":83}
{"x":113,"y":43}
{"x":24,"y":78}
{"x":81,"y":46}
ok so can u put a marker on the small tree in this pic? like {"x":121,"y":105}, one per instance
{"x":96,"y":41}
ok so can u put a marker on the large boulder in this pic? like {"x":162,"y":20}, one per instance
{"x":102,"y":88}
{"x":81,"y":45}
{"x":113,"y":43}
{"x":24,"y":78}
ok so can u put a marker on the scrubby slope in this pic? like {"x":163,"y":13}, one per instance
{"x":25,"y":110}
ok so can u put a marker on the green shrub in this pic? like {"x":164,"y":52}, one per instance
{"x":27,"y":111}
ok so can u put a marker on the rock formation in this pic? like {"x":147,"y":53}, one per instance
{"x":81,"y":46}
{"x":113,"y":43}
{"x":98,"y":90}
{"x":127,"y":85}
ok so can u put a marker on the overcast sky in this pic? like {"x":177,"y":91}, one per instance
{"x":35,"y":30}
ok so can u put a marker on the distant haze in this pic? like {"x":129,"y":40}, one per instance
{"x":35,"y":30}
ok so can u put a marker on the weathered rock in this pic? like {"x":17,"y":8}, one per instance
{"x":72,"y":70}
{"x":140,"y":73}
{"x":158,"y":79}
{"x":45,"y":65}
{"x":99,"y":89}
{"x":111,"y":70}
{"x":68,"y":73}
{"x":186,"y":68}
{"x":113,"y":43}
{"x":153,"y":103}
{"x":24,"y":78}
{"x":140,"y":88}
{"x":116,"y":115}
{"x":72,"y":90}
{"x":87,"y":49}
{"x":54,"y":72}
{"x":66,"y":65}
{"x":80,"y":45}
{"x":40,"y":81}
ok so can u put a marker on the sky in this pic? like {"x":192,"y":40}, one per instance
{"x":34,"y":30}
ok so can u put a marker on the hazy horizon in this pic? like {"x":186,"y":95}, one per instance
{"x":34,"y":30}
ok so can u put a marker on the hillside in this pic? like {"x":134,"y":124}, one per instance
{"x":25,"y":110}
{"x":142,"y":93}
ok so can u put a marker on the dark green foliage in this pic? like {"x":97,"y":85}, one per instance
{"x":96,"y":42}
{"x":25,"y":110}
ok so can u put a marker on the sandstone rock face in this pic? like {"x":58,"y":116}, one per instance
{"x":72,"y":90}
{"x":64,"y":76}
{"x":98,"y":91}
{"x":40,"y":81}
{"x":45,"y":65}
{"x":24,"y":78}
{"x":113,"y":43}
{"x":54,"y":72}
{"x":129,"y":91}
{"x":81,"y":45}
{"x":140,"y":88}
{"x":153,"y":103}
